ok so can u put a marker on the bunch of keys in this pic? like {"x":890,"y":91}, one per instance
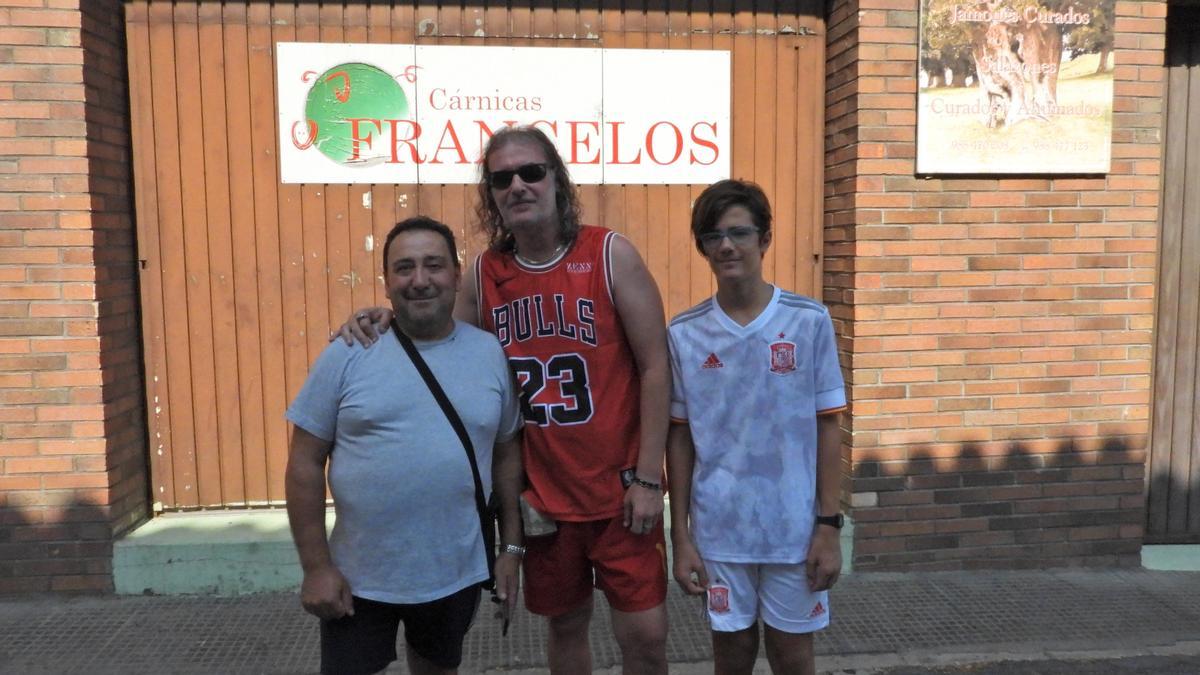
{"x":504,"y":613}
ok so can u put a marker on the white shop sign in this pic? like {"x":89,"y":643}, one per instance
{"x":370,"y":113}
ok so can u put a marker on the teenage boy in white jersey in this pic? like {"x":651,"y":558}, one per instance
{"x":754,"y":446}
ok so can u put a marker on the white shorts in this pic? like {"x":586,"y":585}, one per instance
{"x":740,"y":593}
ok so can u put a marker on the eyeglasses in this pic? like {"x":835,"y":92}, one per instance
{"x":739,"y":235}
{"x":529,"y":173}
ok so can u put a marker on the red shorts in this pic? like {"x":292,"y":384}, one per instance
{"x":561,"y":568}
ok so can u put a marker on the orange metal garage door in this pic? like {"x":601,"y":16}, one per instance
{"x":243,"y":276}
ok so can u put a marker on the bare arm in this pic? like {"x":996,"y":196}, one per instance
{"x":681,"y":458}
{"x":640,"y":307}
{"x":829,"y":463}
{"x":508,"y":479}
{"x":466,"y":307}
{"x":325,"y":591}
{"x":825,"y":552}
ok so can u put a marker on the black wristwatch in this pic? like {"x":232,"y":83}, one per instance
{"x":836,"y":521}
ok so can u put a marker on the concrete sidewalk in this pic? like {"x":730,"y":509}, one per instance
{"x":880,"y":621}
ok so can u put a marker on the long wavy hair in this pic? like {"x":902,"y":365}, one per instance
{"x":566,"y":197}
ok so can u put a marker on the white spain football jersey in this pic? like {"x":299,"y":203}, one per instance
{"x":751,"y":395}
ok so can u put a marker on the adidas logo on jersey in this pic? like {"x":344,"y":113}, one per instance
{"x":817,"y":611}
{"x":712,"y":362}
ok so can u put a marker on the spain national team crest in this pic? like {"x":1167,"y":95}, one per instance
{"x":718,"y":599}
{"x":783,"y":357}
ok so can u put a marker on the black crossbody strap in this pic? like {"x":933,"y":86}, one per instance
{"x":439,"y":394}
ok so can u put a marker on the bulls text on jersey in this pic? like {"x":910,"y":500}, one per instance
{"x":532,"y":316}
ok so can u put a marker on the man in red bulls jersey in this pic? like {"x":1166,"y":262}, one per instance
{"x":581,"y":322}
{"x":753,"y":450}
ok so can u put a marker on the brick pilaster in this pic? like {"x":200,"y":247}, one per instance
{"x":997,"y":330}
{"x":72,"y":431}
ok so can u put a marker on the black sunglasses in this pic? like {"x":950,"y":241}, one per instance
{"x":529,"y":173}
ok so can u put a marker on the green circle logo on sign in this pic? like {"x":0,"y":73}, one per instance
{"x":349,"y":103}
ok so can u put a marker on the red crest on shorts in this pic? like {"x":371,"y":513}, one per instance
{"x":718,"y":599}
{"x":783,"y":357}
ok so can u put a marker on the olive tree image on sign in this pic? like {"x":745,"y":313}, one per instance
{"x":1015,"y":86}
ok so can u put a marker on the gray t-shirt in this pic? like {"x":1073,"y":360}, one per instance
{"x":407,"y":530}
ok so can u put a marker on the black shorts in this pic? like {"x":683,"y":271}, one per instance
{"x":366,"y":641}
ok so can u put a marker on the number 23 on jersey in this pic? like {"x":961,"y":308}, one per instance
{"x":554,"y":390}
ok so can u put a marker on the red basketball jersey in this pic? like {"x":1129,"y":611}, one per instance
{"x":575,"y":371}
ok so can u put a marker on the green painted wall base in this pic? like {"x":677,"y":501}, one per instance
{"x":847,"y":539}
{"x":229,"y":553}
{"x":1172,"y":557}
{"x":214,"y":553}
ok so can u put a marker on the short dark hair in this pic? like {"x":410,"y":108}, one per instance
{"x":720,"y":197}
{"x":566,"y":197}
{"x":420,"y":223}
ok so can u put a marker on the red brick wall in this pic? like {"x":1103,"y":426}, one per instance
{"x":997,"y":330}
{"x":841,"y":186}
{"x":72,"y":432}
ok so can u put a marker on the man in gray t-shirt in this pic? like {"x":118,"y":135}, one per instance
{"x":406,"y":546}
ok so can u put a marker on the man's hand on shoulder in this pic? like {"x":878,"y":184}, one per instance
{"x":325,"y":593}
{"x":824,"y":560}
{"x":365,"y":325}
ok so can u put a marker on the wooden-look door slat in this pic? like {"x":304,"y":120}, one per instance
{"x":214,"y":113}
{"x":247,"y":325}
{"x":786,"y":144}
{"x":172,"y":255}
{"x":1185,"y":454}
{"x":196,"y":263}
{"x":1173,"y":472}
{"x":273,"y":312}
{"x":145,"y":171}
{"x":809,"y":179}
